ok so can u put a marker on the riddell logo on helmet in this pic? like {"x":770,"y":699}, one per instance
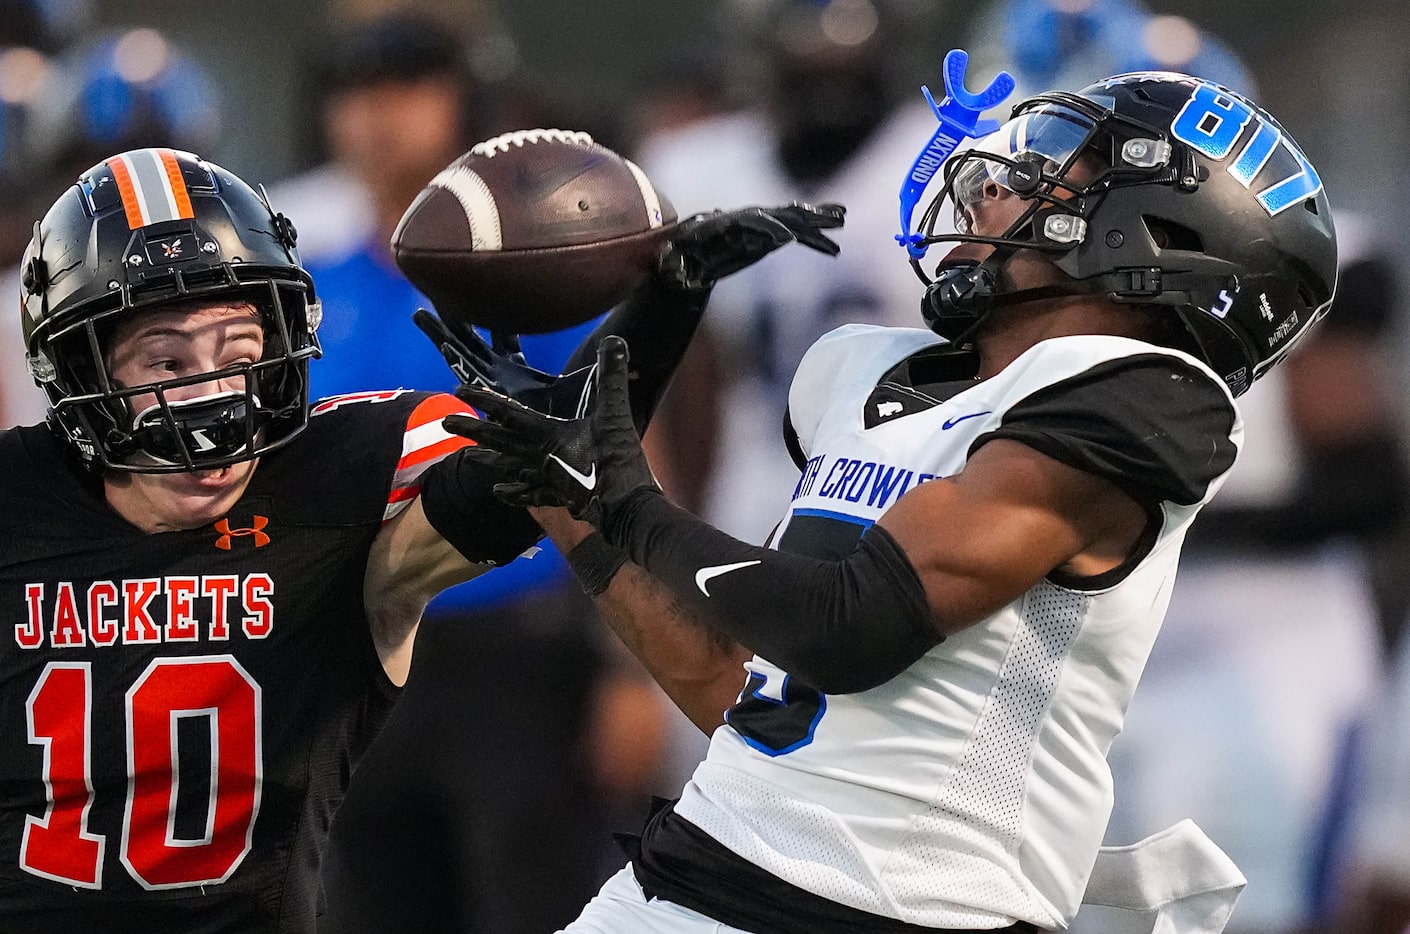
{"x":255,"y":531}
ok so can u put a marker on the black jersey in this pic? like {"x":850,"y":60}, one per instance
{"x":180,"y":712}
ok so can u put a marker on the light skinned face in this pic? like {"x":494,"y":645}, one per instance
{"x":168,"y":344}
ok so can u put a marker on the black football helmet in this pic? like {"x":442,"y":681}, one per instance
{"x":1197,"y":201}
{"x":151,"y":228}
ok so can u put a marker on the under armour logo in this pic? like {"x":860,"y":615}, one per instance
{"x":227,"y":533}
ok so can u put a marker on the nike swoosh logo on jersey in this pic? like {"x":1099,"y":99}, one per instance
{"x":587,"y":481}
{"x":952,"y":422}
{"x":705,"y":575}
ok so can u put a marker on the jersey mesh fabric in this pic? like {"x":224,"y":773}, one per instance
{"x":985,"y":800}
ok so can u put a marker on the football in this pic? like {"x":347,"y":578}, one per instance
{"x":532,"y":231}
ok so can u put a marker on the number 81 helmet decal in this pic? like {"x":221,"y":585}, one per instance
{"x":1190,"y":198}
{"x":154,"y":228}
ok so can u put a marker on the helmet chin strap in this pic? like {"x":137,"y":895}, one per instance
{"x":962,"y":296}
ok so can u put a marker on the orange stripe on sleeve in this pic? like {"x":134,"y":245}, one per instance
{"x":435,"y":408}
{"x":179,"y":194}
{"x":434,"y":452}
{"x":402,"y":494}
{"x":128,"y":191}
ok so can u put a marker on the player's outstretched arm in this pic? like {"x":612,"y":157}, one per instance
{"x":659,"y":319}
{"x":410,"y":562}
{"x":1012,"y":517}
{"x":698,"y":667}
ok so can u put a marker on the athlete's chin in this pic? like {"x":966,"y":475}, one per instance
{"x":966,"y":254}
{"x":201,"y":497}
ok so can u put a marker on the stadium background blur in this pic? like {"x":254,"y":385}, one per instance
{"x":1337,"y":75}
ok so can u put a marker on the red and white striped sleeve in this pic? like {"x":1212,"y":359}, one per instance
{"x":424,"y":443}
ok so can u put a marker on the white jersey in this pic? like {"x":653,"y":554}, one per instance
{"x":972,"y":789}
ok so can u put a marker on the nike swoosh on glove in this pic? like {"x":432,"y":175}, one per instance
{"x":590,"y":465}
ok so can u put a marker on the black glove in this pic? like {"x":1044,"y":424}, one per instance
{"x":590,"y":465}
{"x":502,"y":368}
{"x":707,"y":247}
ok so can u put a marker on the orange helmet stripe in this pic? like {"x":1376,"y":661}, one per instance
{"x":151,"y":186}
{"x":130,"y":204}
{"x":179,"y":194}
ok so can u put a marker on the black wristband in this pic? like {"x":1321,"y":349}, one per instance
{"x":595,"y":563}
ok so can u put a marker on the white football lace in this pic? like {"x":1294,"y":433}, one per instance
{"x":492,"y":147}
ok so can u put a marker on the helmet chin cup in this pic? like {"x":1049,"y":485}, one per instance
{"x":958,"y":298}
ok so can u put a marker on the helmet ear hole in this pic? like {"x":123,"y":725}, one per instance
{"x":1171,"y":235}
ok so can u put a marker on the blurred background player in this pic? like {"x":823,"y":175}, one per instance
{"x":1373,"y":894}
{"x":833,"y":115}
{"x":23,"y":69}
{"x":104,"y":93}
{"x":1060,"y":44}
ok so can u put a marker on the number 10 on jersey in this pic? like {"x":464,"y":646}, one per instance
{"x":60,"y":846}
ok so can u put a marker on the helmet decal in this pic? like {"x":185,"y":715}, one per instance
{"x":151,"y":186}
{"x":1212,"y":121}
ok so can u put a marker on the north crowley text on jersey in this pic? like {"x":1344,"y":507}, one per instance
{"x":852,"y":479}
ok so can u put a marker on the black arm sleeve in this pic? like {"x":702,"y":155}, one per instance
{"x":457,"y":499}
{"x":1154,"y":425}
{"x":657,"y":321}
{"x":841,"y":626}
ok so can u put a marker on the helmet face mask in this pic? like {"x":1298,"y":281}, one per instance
{"x":1031,"y":155}
{"x":152,"y":230}
{"x":1151,"y":189}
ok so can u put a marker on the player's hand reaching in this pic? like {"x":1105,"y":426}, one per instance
{"x":591,"y":465}
{"x":707,"y":247}
{"x":500,"y":366}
